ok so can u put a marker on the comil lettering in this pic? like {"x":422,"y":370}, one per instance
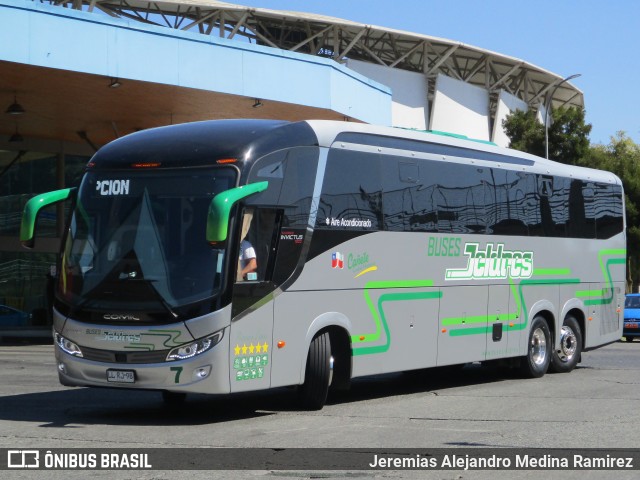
{"x":113,"y":187}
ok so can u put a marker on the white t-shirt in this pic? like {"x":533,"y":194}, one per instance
{"x":247,"y":252}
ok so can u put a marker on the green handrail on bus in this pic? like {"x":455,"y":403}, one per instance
{"x":31,"y":210}
{"x":218,"y":218}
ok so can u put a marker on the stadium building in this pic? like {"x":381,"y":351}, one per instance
{"x":77,"y":74}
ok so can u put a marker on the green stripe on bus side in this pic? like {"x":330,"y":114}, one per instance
{"x":609,"y":299}
{"x":379,"y":314}
{"x":518,"y":297}
{"x":522,"y":307}
{"x":470,"y":331}
{"x":504,"y":317}
{"x":606,"y":274}
{"x":476,"y":319}
{"x":589,"y":293}
{"x":372,"y":337}
{"x":538,"y":283}
{"x":517,"y":292}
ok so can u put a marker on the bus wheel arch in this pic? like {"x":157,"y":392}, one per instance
{"x":571,"y":342}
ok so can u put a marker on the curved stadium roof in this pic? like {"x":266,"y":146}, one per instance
{"x":341,"y":39}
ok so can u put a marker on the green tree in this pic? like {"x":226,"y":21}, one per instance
{"x":568,"y":134}
{"x":622,"y":157}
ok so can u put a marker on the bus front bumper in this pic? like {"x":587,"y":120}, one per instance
{"x":204,"y":373}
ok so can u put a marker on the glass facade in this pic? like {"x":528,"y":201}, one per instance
{"x":26,"y":276}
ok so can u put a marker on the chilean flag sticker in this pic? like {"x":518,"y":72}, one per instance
{"x":337,"y":260}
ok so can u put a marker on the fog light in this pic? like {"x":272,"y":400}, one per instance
{"x":62,"y":368}
{"x":201,"y":373}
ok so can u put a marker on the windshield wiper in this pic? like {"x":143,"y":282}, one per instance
{"x":133,"y":276}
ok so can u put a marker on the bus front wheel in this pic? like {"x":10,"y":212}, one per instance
{"x":317,"y":378}
{"x":536,"y":362}
{"x":567,"y":357}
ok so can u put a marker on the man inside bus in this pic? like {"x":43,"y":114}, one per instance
{"x":247,"y":262}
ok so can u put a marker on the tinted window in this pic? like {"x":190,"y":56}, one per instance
{"x":608,"y":210}
{"x":406,"y":194}
{"x":511,"y":203}
{"x":352,"y":192}
{"x":291,"y":175}
{"x":433,"y":196}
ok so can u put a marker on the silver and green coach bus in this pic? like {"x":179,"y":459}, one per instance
{"x":374,"y":250}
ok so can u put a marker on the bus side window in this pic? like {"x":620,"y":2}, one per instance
{"x":258,"y":238}
{"x":247,"y":267}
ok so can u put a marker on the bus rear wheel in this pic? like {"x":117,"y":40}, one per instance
{"x":536,"y":362}
{"x":318,"y":373}
{"x":567,"y":356}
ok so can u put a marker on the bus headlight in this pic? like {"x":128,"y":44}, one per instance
{"x":67,"y":345}
{"x":192,"y":349}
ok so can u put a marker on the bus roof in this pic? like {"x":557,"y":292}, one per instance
{"x":202,"y":143}
{"x":331,"y":132}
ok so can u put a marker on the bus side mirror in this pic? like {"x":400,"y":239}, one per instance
{"x":220,"y":208}
{"x":31,"y":210}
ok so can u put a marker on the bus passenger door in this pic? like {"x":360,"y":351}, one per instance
{"x":463,"y":324}
{"x":252,"y":311}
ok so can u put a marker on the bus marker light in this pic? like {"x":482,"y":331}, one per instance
{"x":145,"y":165}
{"x":590,"y":318}
{"x":444,"y":330}
{"x":511,"y":324}
{"x":362,"y":338}
{"x":281,"y":344}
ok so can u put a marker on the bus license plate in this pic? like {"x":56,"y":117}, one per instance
{"x":121,"y":376}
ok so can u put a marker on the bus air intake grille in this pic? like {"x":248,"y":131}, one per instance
{"x":107,"y":356}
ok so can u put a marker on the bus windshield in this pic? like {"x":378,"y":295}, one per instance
{"x":136,"y":241}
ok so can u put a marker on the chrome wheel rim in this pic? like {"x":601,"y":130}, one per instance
{"x":538,"y":347}
{"x":568,"y":344}
{"x":331,"y":362}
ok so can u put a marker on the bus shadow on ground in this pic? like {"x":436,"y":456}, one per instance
{"x":77,"y":407}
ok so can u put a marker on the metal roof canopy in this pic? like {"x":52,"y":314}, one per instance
{"x":341,"y":39}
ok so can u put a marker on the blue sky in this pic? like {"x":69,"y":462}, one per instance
{"x":598,"y":39}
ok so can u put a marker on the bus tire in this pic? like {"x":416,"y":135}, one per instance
{"x":317,"y":377}
{"x":568,"y":356}
{"x":536,"y":362}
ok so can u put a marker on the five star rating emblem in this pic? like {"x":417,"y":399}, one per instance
{"x":249,"y":360}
